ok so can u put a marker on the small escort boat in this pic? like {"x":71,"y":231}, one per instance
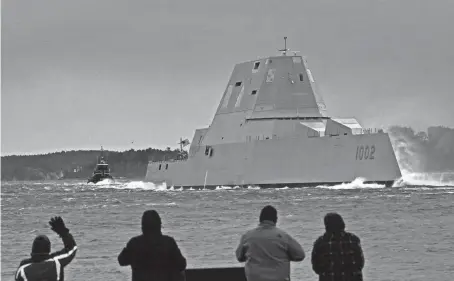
{"x":101,"y":171}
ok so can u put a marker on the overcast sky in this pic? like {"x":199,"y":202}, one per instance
{"x":78,"y":74}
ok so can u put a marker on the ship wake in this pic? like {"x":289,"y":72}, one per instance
{"x":426,"y":179}
{"x":413,"y":159}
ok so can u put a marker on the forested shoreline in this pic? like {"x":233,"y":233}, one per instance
{"x":431,"y":151}
{"x":79,"y":164}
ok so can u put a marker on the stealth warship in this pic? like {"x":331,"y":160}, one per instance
{"x":271,"y":129}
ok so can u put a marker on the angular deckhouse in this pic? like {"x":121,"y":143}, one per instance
{"x":271,"y":129}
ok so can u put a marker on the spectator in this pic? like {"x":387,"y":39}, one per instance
{"x":45,"y":266}
{"x":152,"y":255}
{"x":268,"y":250}
{"x":337,"y":254}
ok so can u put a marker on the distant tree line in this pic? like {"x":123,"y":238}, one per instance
{"x":416,"y":151}
{"x":80,"y":164}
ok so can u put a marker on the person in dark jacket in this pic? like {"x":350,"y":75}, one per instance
{"x":45,"y":266}
{"x":152,"y":255}
{"x":337,"y":255}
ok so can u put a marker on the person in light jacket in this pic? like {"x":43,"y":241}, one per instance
{"x":268,"y":250}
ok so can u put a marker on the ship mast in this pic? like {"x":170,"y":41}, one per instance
{"x":182,"y":144}
{"x":101,"y":156}
{"x":284,"y":51}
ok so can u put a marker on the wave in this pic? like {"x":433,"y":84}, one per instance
{"x":420,"y":180}
{"x":407,"y":180}
{"x":358,"y":183}
{"x":145,"y":186}
{"x":227,"y":187}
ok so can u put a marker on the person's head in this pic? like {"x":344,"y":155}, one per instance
{"x":41,"y":246}
{"x":151,"y":222}
{"x":268,"y":213}
{"x":334,"y":223}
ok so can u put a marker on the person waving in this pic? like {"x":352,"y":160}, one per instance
{"x":43,"y":265}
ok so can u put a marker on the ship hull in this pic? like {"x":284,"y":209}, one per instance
{"x":285,"y":162}
{"x":97,"y":178}
{"x":277,"y":185}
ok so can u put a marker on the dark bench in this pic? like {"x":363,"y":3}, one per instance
{"x":216,"y":274}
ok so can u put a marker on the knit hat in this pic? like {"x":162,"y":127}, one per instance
{"x":151,"y":222}
{"x":334,"y":223}
{"x":268,"y":213}
{"x":41,"y":245}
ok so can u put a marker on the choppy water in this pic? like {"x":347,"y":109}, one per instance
{"x":407,"y":231}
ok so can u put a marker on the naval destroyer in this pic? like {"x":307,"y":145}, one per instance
{"x":272,"y":129}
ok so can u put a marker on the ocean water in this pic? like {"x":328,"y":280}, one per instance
{"x":407,"y":231}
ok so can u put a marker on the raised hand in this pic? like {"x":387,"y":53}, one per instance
{"x":58,"y":226}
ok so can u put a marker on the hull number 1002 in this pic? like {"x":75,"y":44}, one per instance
{"x":364,"y":152}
